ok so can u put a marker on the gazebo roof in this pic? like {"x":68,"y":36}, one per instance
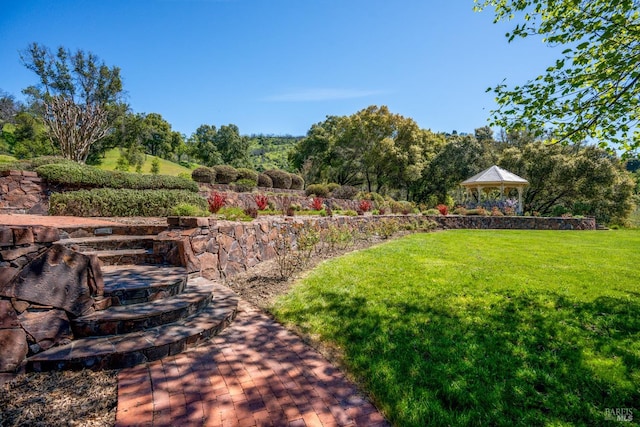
{"x":495,"y":175}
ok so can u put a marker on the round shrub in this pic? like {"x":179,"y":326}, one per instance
{"x":280,"y":178}
{"x":264,"y":181}
{"x":345,"y":192}
{"x":244,"y":173}
{"x":244,"y":185}
{"x":319,"y":190}
{"x":225,"y":174}
{"x":297,"y":182}
{"x":204,"y":174}
{"x":332,"y":186}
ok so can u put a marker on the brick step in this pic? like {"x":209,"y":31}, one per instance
{"x":124,"y":319}
{"x":134,"y":284}
{"x":124,"y":351}
{"x":128,"y":256}
{"x":112,"y":242}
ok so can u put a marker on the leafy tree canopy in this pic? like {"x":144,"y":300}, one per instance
{"x":593,"y":89}
{"x":75,"y":94}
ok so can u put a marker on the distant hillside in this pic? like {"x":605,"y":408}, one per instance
{"x":271,"y":151}
{"x":166,"y":167}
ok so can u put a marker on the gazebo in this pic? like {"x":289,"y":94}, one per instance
{"x":496,"y":177}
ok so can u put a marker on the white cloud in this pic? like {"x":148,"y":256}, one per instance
{"x":313,"y":95}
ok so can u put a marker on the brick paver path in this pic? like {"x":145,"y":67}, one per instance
{"x":256,"y":373}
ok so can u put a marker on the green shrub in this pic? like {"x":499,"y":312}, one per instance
{"x":460,"y":210}
{"x":345,"y":192}
{"x":319,"y":190}
{"x":332,"y":186}
{"x":402,"y":207}
{"x":378,"y":199}
{"x":280,"y":178}
{"x":75,"y":175}
{"x":233,"y":213}
{"x":121,"y":202}
{"x":431,"y":211}
{"x":187,"y":209}
{"x":264,"y":181}
{"x":297,"y":182}
{"x":244,"y":173}
{"x":49,"y":160}
{"x":204,"y":174}
{"x":244,"y":185}
{"x":225,"y":174}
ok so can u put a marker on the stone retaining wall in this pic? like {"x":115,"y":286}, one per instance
{"x":22,"y":192}
{"x":224,"y":248}
{"x":513,"y":222}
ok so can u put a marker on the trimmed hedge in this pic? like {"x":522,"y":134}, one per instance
{"x":265,"y":181}
{"x":319,"y":190}
{"x":82,"y":176}
{"x":345,"y":192}
{"x":204,"y":174}
{"x":332,"y":186}
{"x":244,"y":185}
{"x":297,"y":182}
{"x":280,"y":178}
{"x":225,"y":174}
{"x":244,"y":173}
{"x":121,"y":202}
{"x":32,"y":164}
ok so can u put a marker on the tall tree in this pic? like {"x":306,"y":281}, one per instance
{"x":202,"y":145}
{"x":9,"y":108}
{"x":76,"y":92}
{"x":593,"y":89}
{"x":374,"y":147}
{"x":573,"y":178}
{"x":233,"y":147}
{"x":156,"y":135}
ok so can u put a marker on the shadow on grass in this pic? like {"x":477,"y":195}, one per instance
{"x":520,"y":359}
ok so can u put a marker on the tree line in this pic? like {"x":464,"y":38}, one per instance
{"x":389,"y":154}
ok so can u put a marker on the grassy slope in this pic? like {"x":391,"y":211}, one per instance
{"x":485,"y":327}
{"x":166,"y":167}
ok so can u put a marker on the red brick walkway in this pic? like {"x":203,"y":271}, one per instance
{"x":256,"y":373}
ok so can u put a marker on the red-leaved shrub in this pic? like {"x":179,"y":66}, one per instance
{"x":216,"y":201}
{"x":262,"y":201}
{"x":443,"y":209}
{"x":364,"y":206}
{"x":316,"y":203}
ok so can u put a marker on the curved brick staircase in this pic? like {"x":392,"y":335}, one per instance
{"x":155,"y":309}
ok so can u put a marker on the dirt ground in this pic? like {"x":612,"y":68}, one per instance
{"x":89,"y":398}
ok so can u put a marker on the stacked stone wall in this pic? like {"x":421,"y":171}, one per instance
{"x":513,"y":222}
{"x":22,"y":192}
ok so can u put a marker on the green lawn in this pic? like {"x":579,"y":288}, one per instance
{"x":478,"y":327}
{"x":166,"y":167}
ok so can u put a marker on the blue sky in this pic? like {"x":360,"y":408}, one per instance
{"x":279,"y":66}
